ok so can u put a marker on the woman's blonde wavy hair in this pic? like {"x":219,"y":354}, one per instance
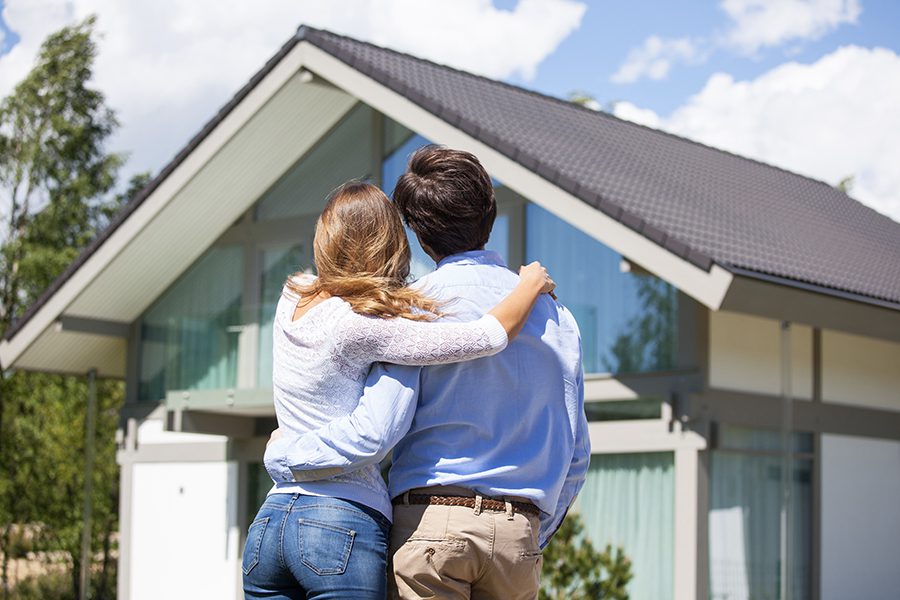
{"x":362,"y":256}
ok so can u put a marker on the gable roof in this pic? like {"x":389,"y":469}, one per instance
{"x":701,"y":203}
{"x":704,"y":205}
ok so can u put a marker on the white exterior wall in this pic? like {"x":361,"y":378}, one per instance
{"x":745,"y":355}
{"x":860,"y":371}
{"x":178,"y":517}
{"x":860,"y":519}
{"x":184,"y":531}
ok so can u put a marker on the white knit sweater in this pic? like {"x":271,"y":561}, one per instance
{"x":320,"y":364}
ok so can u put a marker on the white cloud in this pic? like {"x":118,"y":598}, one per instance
{"x":759,"y":23}
{"x":630,"y":112}
{"x":166,"y":66}
{"x":829,"y":119}
{"x":654,"y":58}
{"x":755,"y":24}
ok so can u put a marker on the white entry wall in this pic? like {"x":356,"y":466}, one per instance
{"x":860,"y":522}
{"x":184,"y":529}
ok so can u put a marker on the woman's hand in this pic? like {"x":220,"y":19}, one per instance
{"x":513,"y":311}
{"x":535,"y":274}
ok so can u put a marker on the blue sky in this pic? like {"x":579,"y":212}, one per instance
{"x":8,"y":38}
{"x":588,"y":57}
{"x":718,"y":71}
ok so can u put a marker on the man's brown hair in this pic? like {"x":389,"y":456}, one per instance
{"x":447,"y":198}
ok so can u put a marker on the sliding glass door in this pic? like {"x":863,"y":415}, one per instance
{"x":628,"y":501}
{"x":745,"y":512}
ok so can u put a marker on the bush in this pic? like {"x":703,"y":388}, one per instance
{"x":52,"y":586}
{"x":58,"y":585}
{"x":574,"y":570}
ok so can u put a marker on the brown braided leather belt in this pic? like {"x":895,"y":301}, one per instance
{"x":469,"y":502}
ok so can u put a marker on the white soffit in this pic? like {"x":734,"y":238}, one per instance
{"x":67,"y":352}
{"x":281,"y":118}
{"x":708,"y":288}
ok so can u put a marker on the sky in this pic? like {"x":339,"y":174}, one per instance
{"x":812,"y":86}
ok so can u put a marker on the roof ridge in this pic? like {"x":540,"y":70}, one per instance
{"x":304,"y":30}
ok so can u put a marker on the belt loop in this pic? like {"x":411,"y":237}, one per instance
{"x":406,"y":498}
{"x":509,"y":511}
{"x":478,"y":500}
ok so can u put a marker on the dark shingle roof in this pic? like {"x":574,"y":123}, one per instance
{"x":702,"y":203}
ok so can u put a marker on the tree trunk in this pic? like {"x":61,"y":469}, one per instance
{"x":4,"y":576}
{"x":76,"y":577}
{"x":104,"y":574}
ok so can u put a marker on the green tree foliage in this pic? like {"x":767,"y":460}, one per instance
{"x":47,"y":483}
{"x":584,"y":99}
{"x":846,"y":184}
{"x":574,"y":570}
{"x":54,"y":172}
{"x":55,"y":183}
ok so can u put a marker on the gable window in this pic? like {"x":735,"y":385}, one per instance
{"x":190,"y":335}
{"x":212,"y":329}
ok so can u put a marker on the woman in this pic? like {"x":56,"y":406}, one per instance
{"x":329,"y":538}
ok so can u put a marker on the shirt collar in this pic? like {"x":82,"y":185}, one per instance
{"x":473,"y":257}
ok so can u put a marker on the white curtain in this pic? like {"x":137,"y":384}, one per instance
{"x":744,"y":527}
{"x":628,"y":501}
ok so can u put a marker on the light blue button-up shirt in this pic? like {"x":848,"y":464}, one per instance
{"x":511,"y":424}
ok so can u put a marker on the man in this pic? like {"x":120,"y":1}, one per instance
{"x":497,"y":448}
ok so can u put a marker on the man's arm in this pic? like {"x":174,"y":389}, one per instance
{"x":581,"y":459}
{"x":363,"y":437}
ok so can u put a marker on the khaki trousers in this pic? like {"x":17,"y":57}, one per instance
{"x":459,"y":553}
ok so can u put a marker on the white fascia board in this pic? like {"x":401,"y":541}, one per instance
{"x":709,"y":288}
{"x":11,"y":350}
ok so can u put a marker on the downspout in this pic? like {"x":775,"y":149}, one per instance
{"x":787,"y":426}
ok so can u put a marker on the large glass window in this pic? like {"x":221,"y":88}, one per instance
{"x":189,"y":337}
{"x":203,"y":333}
{"x":344,"y":153}
{"x":627,"y":320}
{"x":628,"y":501}
{"x":745,"y":515}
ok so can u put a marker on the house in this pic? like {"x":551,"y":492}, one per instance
{"x":741,"y":326}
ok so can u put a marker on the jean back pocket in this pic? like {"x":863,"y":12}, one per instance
{"x":254,"y":541}
{"x":325,"y":548}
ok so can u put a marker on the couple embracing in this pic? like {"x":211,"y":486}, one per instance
{"x":472,"y":375}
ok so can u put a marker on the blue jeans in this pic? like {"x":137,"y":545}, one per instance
{"x":305,"y":547}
